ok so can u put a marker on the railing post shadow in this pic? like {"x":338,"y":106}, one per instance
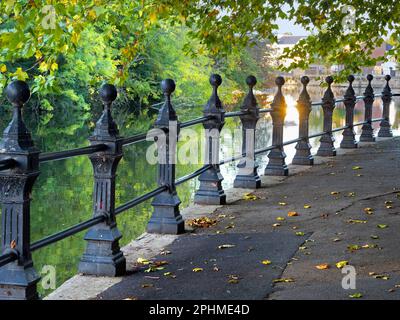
{"x":210,"y":190}
{"x":166,"y":218}
{"x":247,"y":176}
{"x":103,"y":256}
{"x":327,"y":147}
{"x":303,"y":154}
{"x":349,"y":141}
{"x":385,"y":130}
{"x":276,"y":165}
{"x":18,"y":279}
{"x":367,"y":132}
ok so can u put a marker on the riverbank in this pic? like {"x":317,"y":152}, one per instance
{"x":331,"y":226}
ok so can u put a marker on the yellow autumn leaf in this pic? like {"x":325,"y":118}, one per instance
{"x":54,"y":66}
{"x":341,"y":264}
{"x":368,"y":210}
{"x":143,"y":261}
{"x":43,"y":67}
{"x":276,"y":225}
{"x":282,"y":203}
{"x":250,"y":197}
{"x":197,"y":269}
{"x":357,"y":168}
{"x":382,"y":226}
{"x":307,"y":206}
{"x":3,"y":68}
{"x":153,"y":17}
{"x":19,"y":74}
{"x":322,"y":266}
{"x":280,"y":219}
{"x":299,"y":233}
{"x":334,"y":193}
{"x":292,"y":214}
{"x":266,"y":262}
{"x":355,"y":295}
{"x":356,"y":221}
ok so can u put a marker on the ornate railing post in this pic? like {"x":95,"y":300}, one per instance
{"x":210,"y":190}
{"x":247,"y":176}
{"x":166,"y":218}
{"x":349,"y":141}
{"x":103,"y":256}
{"x":303,"y":148}
{"x":367,"y":132}
{"x":327,"y":148}
{"x":276,"y":165}
{"x":18,"y":279}
{"x":385,"y":126}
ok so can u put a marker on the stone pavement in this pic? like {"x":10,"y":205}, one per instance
{"x":332,"y":224}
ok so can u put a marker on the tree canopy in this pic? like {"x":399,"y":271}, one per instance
{"x":37,"y":36}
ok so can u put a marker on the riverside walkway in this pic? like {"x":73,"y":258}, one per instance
{"x":282,"y":243}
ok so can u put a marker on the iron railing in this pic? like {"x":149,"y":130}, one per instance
{"x":20,"y":162}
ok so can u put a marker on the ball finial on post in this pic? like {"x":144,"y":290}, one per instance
{"x":350,"y":78}
{"x":305,"y":80}
{"x":280,"y":81}
{"x":18,"y":92}
{"x":251,"y":81}
{"x":387,"y":78}
{"x":108,"y":93}
{"x":215,"y":80}
{"x":168,"y":86}
{"x":329,"y":80}
{"x":370,"y":77}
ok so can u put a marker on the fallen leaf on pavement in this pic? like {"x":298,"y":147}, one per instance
{"x":292,"y":214}
{"x":322,"y":266}
{"x":341,"y":264}
{"x":382,"y":226}
{"x":283,"y":280}
{"x":203,"y":222}
{"x":225,"y":246}
{"x":197,"y":269}
{"x":266,"y":262}
{"x":356,"y":295}
{"x":250,"y":197}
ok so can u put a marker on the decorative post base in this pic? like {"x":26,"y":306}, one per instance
{"x":367,"y":134}
{"x":248,"y":181}
{"x":166,"y":218}
{"x":276,"y":165}
{"x":210,"y":190}
{"x":303,"y":154}
{"x":385,"y":131}
{"x":349,"y":141}
{"x":103,"y":257}
{"x":326,"y":148}
{"x":18,"y":282}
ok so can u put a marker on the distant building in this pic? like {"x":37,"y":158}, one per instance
{"x":288,"y":41}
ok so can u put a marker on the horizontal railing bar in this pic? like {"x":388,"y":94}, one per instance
{"x":194,"y":121}
{"x":60,"y":155}
{"x":133,"y":139}
{"x":192,"y":175}
{"x":7,"y":164}
{"x":7,"y":258}
{"x":265,"y":110}
{"x":140,"y":199}
{"x":67,"y":233}
{"x":236,"y":114}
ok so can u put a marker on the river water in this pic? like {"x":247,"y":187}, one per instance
{"x":62,"y":195}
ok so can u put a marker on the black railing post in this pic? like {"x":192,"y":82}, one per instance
{"x":385,"y":130}
{"x":367,"y":132}
{"x":103,"y":256}
{"x":210,"y":190}
{"x":327,"y":148}
{"x":18,"y":279}
{"x":303,"y":154}
{"x":166,"y":218}
{"x":247,"y":176}
{"x":276,"y":165}
{"x":349,"y":141}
